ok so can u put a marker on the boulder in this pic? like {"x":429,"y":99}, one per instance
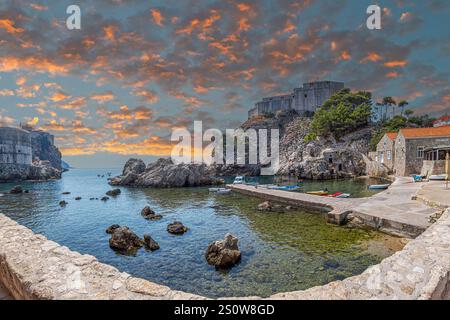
{"x":176,"y":227}
{"x":224,"y":253}
{"x":264,"y":206}
{"x":63,"y":203}
{"x":111,"y":228}
{"x":150,"y":243}
{"x":66,"y":192}
{"x":43,"y":170}
{"x":113,"y":193}
{"x":149,"y":214}
{"x":16,"y":190}
{"x":78,"y":198}
{"x":104,"y":198}
{"x":125,"y":240}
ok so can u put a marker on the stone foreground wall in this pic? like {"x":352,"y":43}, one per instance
{"x":32,"y":267}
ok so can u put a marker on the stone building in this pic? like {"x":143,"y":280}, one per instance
{"x":385,"y":150}
{"x":415,"y":150}
{"x":304,"y":100}
{"x":15,"y":146}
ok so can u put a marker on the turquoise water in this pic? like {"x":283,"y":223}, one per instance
{"x":280,"y":251}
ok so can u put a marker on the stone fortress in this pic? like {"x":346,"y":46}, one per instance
{"x":304,"y":100}
{"x":26,"y":153}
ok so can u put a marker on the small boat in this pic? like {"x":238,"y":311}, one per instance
{"x":343,"y":195}
{"x":318,"y":193}
{"x":214,"y":189}
{"x":239,"y":180}
{"x":379,"y":186}
{"x":437,"y":177}
{"x":223,"y":191}
{"x":284,"y":188}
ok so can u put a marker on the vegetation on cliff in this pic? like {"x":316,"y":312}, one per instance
{"x":343,"y":113}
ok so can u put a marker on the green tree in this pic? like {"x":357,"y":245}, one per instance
{"x":408,"y":113}
{"x":402,"y":104}
{"x":343,"y":113}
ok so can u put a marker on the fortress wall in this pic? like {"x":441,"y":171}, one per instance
{"x":15,"y":146}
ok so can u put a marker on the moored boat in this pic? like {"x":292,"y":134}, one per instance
{"x":284,"y":188}
{"x":438,"y":177}
{"x":318,"y":193}
{"x":379,"y":186}
{"x":223,"y":191}
{"x":239,"y":180}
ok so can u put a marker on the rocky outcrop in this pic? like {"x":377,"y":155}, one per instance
{"x":176,"y":227}
{"x":165,"y":174}
{"x":113,"y":193}
{"x":111,"y":228}
{"x":43,"y":148}
{"x":149,"y":214}
{"x":224,"y":253}
{"x":150,"y":244}
{"x":375,"y":169}
{"x":125,"y":240}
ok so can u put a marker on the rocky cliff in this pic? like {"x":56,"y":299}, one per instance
{"x":43,"y":148}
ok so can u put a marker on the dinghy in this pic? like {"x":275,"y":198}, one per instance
{"x":239,"y":180}
{"x":343,"y":195}
{"x":214,"y":189}
{"x":378,"y":186}
{"x":284,"y":188}
{"x":437,"y":177}
{"x":318,"y":193}
{"x":223,"y":191}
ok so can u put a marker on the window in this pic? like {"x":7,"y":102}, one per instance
{"x":420,"y":152}
{"x":389,"y":155}
{"x":382,"y":157}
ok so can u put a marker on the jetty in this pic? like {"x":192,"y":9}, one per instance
{"x":396,"y":211}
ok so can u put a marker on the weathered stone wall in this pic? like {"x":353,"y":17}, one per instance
{"x":386,"y":152}
{"x":32,"y":267}
{"x":15,"y":146}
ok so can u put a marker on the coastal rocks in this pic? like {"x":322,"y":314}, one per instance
{"x":16,"y":190}
{"x":111,"y":228}
{"x":125,"y":240}
{"x":63,"y":203}
{"x":165,"y":174}
{"x":375,"y":168}
{"x":176,"y":227}
{"x":78,"y":198}
{"x":136,"y":166}
{"x":43,"y":170}
{"x":113,"y":193}
{"x":264,"y":206}
{"x":149,"y":214}
{"x":104,"y":199}
{"x":150,"y":244}
{"x":224,"y":253}
{"x":66,"y":192}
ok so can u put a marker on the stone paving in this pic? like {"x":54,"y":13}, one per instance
{"x":435,"y":193}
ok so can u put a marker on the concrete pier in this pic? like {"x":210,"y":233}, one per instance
{"x":392,"y":211}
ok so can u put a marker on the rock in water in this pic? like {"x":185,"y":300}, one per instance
{"x":150,"y":243}
{"x":136,"y":166}
{"x":63,"y":203}
{"x":176,"y":227}
{"x":264,"y":206}
{"x":149,"y":214}
{"x":224,"y":253}
{"x":16,"y":190}
{"x":165,"y":174}
{"x":78,"y":198}
{"x":113,"y":193}
{"x":111,"y":228}
{"x":104,"y":198}
{"x":66,"y":192}
{"x":125,"y":240}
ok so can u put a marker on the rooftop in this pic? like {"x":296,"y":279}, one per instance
{"x":392,"y":135}
{"x":410,"y":133}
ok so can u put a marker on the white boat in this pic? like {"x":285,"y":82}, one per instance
{"x":438,"y":177}
{"x":214,"y":189}
{"x":343,"y":195}
{"x":379,"y":186}
{"x":239,"y":180}
{"x":223,"y":191}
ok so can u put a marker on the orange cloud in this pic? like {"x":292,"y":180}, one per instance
{"x":243,"y":7}
{"x":157,"y":17}
{"x":392,"y":75}
{"x":6,"y":92}
{"x":393,"y":64}
{"x":371,"y":56}
{"x":38,"y":7}
{"x":110,"y":33}
{"x":345,"y":55}
{"x":10,"y":63}
{"x":59,"y":96}
{"x":8,"y":25}
{"x":103,"y":97}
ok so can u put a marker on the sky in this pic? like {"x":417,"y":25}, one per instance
{"x":139,"y":69}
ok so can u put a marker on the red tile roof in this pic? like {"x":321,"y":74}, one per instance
{"x":443,"y":119}
{"x":392,"y":135}
{"x":409,"y":133}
